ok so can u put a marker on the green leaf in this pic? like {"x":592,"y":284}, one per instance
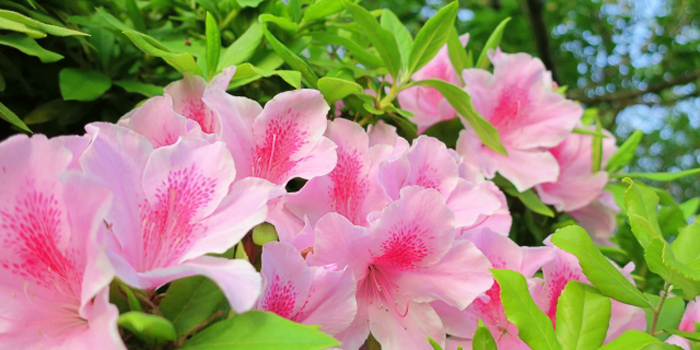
{"x":482,"y":338}
{"x":446,"y":131}
{"x":404,"y":40}
{"x":661,"y":260}
{"x":9,"y":17}
{"x":248,"y":72}
{"x":690,"y":207}
{"x":534,"y":327}
{"x":291,"y":58}
{"x":630,"y":340}
{"x":183,"y":62}
{"x":82,"y":85}
{"x":432,"y":37}
{"x":151,"y":328}
{"x":249,"y":3}
{"x":9,"y":116}
{"x":190,"y":301}
{"x":334,"y":89}
{"x":260,"y":330}
{"x":625,"y":153}
{"x":670,"y":316}
{"x":694,"y":336}
{"x":285,"y":23}
{"x":264,"y":233}
{"x":382,"y":39}
{"x":408,"y":128}
{"x":148,"y":90}
{"x":322,"y":9}
{"x":597,"y":149}
{"x":434,"y":344}
{"x":243,"y":47}
{"x":640,"y":205}
{"x":132,"y":9}
{"x":458,"y":55}
{"x":585,"y":131}
{"x":601,"y":272}
{"x":582,"y":317}
{"x":363,"y":56}
{"x":686,"y":247}
{"x":29,"y":46}
{"x":661,"y":176}
{"x":492,"y":43}
{"x":462,"y":103}
{"x":213,"y":44}
{"x":529,"y":197}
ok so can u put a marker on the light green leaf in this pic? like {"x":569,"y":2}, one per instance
{"x":285,"y":23}
{"x":213,"y":44}
{"x":601,"y":272}
{"x":432,"y":37}
{"x":264,"y":233}
{"x":458,"y":55}
{"x":462,"y":103}
{"x":113,"y":21}
{"x":9,"y":116}
{"x":582,"y":317}
{"x":640,"y":204}
{"x":434,"y":344}
{"x":151,"y":328}
{"x":585,"y":131}
{"x":382,"y":39}
{"x":29,"y":46}
{"x":690,"y":207}
{"x":260,"y":330}
{"x":190,"y":301}
{"x":662,"y":261}
{"x":625,"y":153}
{"x":291,"y":58}
{"x":597,"y":149}
{"x":148,"y":90}
{"x":661,"y":176}
{"x":9,"y":17}
{"x":322,"y":9}
{"x":363,"y":56}
{"x":404,"y":40}
{"x":630,"y":340}
{"x":534,"y":327}
{"x":82,"y":85}
{"x":249,"y":3}
{"x":482,"y":338}
{"x":183,"y":62}
{"x":670,"y":316}
{"x":491,"y":44}
{"x":334,"y":89}
{"x":248,"y":72}
{"x":694,"y":336}
{"x":686,"y":247}
{"x":243,"y":47}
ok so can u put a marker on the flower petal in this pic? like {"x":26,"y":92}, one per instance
{"x":286,"y":281}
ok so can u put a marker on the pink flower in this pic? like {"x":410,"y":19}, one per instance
{"x":599,"y":218}
{"x":173,"y":205}
{"x":280,"y":142}
{"x":427,"y":104}
{"x":499,"y":221}
{"x":54,"y":276}
{"x":405,"y":260}
{"x":316,"y":295}
{"x":502,"y":253}
{"x":577,"y":186}
{"x":563,"y":268}
{"x":690,"y":316}
{"x":181,"y":111}
{"x":518,"y":99}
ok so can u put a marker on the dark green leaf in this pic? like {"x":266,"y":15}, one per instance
{"x":82,"y":85}
{"x":183,"y":62}
{"x":151,"y":328}
{"x":29,"y":46}
{"x":363,"y":56}
{"x":462,"y":103}
{"x":291,"y":58}
{"x":148,"y":90}
{"x":582,"y":317}
{"x":190,"y":301}
{"x":601,"y":272}
{"x":7,"y":115}
{"x":213,"y":45}
{"x":334,"y":89}
{"x":243,"y":47}
{"x":260,"y":330}
{"x":132,"y":9}
{"x":625,"y":153}
{"x":491,"y":44}
{"x":483,"y":339}
{"x":432,"y":37}
{"x":446,"y":131}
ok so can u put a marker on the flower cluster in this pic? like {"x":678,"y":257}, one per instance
{"x":386,"y":236}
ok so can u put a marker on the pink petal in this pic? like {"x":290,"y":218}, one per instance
{"x":187,"y":101}
{"x":76,"y":144}
{"x":341,"y":243}
{"x":286,"y":281}
{"x":158,"y":122}
{"x":222,"y":79}
{"x":331,"y":301}
{"x":356,"y":334}
{"x":526,"y":169}
{"x":409,"y":332}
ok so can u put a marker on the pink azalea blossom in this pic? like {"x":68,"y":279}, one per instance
{"x":502,"y":253}
{"x":690,"y":316}
{"x":427,"y":104}
{"x":499,"y":221}
{"x":54,"y":275}
{"x":599,"y":218}
{"x":563,"y":268}
{"x":518,"y":99}
{"x":577,"y":186}
{"x":316,"y":295}
{"x":405,"y":260}
{"x":173,"y":205}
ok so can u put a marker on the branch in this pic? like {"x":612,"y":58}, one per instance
{"x":631,"y":94}
{"x":535,"y":12}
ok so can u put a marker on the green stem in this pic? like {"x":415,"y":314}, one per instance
{"x":657,"y":309}
{"x":231,"y":15}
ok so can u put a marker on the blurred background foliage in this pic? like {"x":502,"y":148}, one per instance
{"x":636,"y":61}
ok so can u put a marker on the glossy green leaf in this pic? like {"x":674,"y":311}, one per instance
{"x":457,"y":53}
{"x":243,"y":47}
{"x":148,"y":90}
{"x":492,"y":43}
{"x":382,"y":39}
{"x":534,"y":327}
{"x":630,"y":340}
{"x":641,"y":204}
{"x":291,"y":58}
{"x":661,"y":176}
{"x":625,"y":153}
{"x":260,"y":330}
{"x":82,"y":85}
{"x":582,"y":317}
{"x":29,"y":46}
{"x":284,"y":23}
{"x":213,"y":44}
{"x":462,"y":103}
{"x":601,"y":272}
{"x":482,"y":338}
{"x":404,"y":40}
{"x":10,"y":117}
{"x":432,"y":37}
{"x":8,"y":17}
{"x":183,"y":62}
{"x":151,"y":328}
{"x":661,"y":260}
{"x":334,"y":89}
{"x":363,"y":56}
{"x":190,"y":301}
{"x":321,"y":9}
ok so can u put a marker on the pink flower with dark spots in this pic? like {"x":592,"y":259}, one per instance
{"x":54,"y":275}
{"x":311,"y":295}
{"x":406,"y":259}
{"x":172,"y":206}
{"x":518,"y":99}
